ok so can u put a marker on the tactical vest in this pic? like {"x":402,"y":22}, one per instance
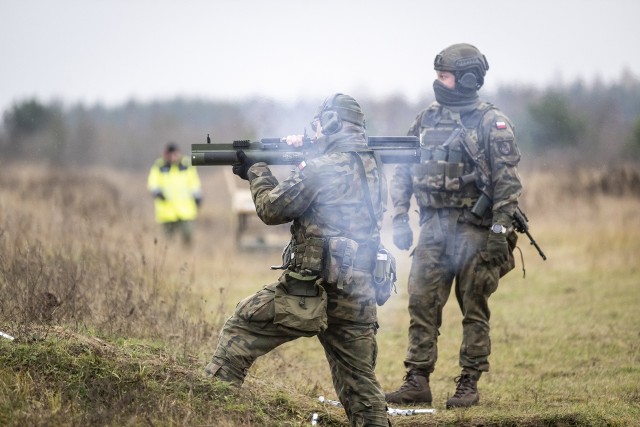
{"x":447,"y":177}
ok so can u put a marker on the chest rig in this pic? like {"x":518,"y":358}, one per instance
{"x":447,"y":176}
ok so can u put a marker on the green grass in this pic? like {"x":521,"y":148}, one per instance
{"x":70,"y":379}
{"x":138,"y":319}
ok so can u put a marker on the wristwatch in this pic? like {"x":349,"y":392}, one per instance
{"x":499,"y":229}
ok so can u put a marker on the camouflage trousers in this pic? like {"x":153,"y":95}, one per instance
{"x":449,"y":251}
{"x":350,"y":348}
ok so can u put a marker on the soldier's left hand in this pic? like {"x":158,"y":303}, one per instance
{"x":497,"y":249}
{"x":295,"y":140}
{"x":242,"y":167}
{"x":402,"y":234}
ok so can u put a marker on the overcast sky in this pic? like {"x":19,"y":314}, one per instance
{"x":112,"y":51}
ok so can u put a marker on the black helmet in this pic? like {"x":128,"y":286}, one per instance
{"x":337,"y":108}
{"x":466,"y":62}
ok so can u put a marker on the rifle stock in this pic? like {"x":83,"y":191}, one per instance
{"x":274,"y":151}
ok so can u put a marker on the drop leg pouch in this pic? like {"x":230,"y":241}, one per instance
{"x":300,"y":303}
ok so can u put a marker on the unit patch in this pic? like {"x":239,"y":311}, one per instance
{"x":505,"y":147}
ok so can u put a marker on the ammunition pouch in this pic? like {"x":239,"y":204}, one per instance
{"x":384,"y":275}
{"x":307,"y":258}
{"x":332,"y":258}
{"x":436,"y":175}
{"x":442,"y":179}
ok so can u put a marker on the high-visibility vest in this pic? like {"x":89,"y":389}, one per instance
{"x":180,"y":185}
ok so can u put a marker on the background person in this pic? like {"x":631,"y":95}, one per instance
{"x":467,"y":188}
{"x":176,"y":188}
{"x":326,"y":289}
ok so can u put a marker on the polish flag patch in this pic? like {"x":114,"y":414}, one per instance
{"x":302,"y":165}
{"x":501,"y":125}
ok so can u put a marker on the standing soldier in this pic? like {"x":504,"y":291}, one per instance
{"x":175,"y":185}
{"x":335,"y":199}
{"x":467,"y":188}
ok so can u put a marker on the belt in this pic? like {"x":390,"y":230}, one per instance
{"x":365,"y":259}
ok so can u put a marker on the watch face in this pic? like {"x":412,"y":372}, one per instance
{"x":498,"y":228}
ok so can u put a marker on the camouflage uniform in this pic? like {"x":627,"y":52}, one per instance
{"x":325,"y":198}
{"x":452,"y":240}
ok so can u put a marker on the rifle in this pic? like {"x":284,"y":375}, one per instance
{"x":519,"y":219}
{"x":275,"y":151}
{"x":521,"y":226}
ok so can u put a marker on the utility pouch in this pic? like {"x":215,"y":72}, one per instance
{"x":307,"y":312}
{"x":481,"y":206}
{"x":341,"y":252}
{"x":440,"y":153}
{"x":426,"y":153}
{"x":455,"y":155}
{"x":384,"y":275}
{"x":313,"y":255}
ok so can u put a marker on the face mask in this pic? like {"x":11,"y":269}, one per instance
{"x":453,"y":97}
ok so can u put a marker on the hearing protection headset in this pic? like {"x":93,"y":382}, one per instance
{"x":329,"y":119}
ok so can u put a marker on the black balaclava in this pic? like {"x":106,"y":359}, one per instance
{"x":454,"y":98}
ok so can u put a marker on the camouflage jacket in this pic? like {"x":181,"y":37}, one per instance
{"x":494,"y":136}
{"x":325,"y":197}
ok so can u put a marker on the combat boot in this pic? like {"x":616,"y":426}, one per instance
{"x":466,"y":394}
{"x":414,"y":390}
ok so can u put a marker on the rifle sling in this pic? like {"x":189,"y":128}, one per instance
{"x":367,"y":192}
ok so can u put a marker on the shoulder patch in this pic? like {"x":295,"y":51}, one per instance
{"x":501,"y":125}
{"x":505,"y":147}
{"x":302,"y":165}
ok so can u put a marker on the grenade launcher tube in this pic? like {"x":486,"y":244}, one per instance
{"x":274,"y":151}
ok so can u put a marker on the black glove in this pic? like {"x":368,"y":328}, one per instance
{"x":402,"y":234}
{"x":242,"y":167}
{"x":198,"y":201}
{"x":159,"y":195}
{"x":497,"y":249}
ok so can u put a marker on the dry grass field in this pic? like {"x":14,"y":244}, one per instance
{"x":113,"y":325}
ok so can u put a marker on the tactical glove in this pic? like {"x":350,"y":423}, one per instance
{"x":198,"y":201}
{"x":242,"y":167}
{"x":497,"y":249}
{"x":402,"y":234}
{"x":159,"y":195}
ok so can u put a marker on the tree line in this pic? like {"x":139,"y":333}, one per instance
{"x":592,"y":123}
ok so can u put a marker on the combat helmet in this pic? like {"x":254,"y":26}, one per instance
{"x":466,"y":62}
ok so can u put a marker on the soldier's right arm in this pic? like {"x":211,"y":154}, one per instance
{"x":401,"y":188}
{"x":282,"y":202}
